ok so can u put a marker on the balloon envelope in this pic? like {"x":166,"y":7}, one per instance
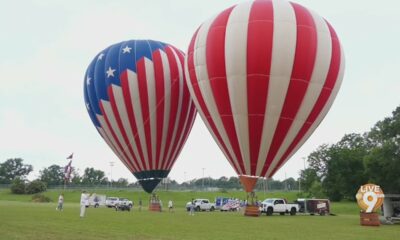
{"x":138,"y":100}
{"x":263,"y":74}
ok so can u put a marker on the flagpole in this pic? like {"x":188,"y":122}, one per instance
{"x":67,"y":170}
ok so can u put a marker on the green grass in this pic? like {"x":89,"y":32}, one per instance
{"x":22,"y":219}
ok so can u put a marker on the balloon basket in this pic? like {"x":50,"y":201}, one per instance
{"x":252,"y":211}
{"x":155,"y":207}
{"x":369,"y":219}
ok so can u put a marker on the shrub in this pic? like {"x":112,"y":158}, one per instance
{"x":18,"y":186}
{"x":35,"y":186}
{"x":40,"y":198}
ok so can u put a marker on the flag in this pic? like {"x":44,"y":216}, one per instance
{"x":68,"y":170}
{"x":70,"y":156}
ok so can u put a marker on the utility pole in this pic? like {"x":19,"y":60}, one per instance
{"x":111,"y":165}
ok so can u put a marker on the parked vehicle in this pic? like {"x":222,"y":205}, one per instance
{"x":125,"y":201}
{"x":111,"y":201}
{"x":314,"y":206}
{"x":96,"y":200}
{"x":231,"y":205}
{"x":220,"y":201}
{"x":278,"y":205}
{"x":201,"y":205}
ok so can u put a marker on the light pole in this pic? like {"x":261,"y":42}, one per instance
{"x":111,"y":165}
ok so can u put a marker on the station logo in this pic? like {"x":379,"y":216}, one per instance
{"x":370,"y":197}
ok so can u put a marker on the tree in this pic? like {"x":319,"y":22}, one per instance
{"x":383,"y":161}
{"x":383,"y":167}
{"x":18,"y":186}
{"x":35,"y":186}
{"x":53,"y":175}
{"x":121,"y":182}
{"x":307,"y":178}
{"x":13,"y":168}
{"x":76,"y":179}
{"x":93,"y":177}
{"x":345,"y":171}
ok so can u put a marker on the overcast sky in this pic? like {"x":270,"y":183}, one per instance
{"x":46,"y":46}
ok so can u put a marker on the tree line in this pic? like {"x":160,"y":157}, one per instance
{"x":338,"y":170}
{"x":14,"y":171}
{"x":335,"y":170}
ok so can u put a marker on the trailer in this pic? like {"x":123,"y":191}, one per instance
{"x":314,"y":206}
{"x":391,"y":208}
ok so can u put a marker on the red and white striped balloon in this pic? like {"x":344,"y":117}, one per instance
{"x":263,"y":74}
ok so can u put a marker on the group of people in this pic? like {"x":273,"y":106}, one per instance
{"x":84,"y":203}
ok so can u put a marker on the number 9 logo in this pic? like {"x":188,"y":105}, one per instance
{"x":370,"y":197}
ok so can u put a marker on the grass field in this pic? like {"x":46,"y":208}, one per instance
{"x":22,"y":219}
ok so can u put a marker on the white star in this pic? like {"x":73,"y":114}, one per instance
{"x":100,"y":56}
{"x":110,"y":72}
{"x":126,"y":49}
{"x":88,"y":79}
{"x":87,"y":106}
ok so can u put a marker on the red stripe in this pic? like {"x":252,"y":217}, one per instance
{"x":131,"y":116}
{"x":114,"y":107}
{"x":189,"y":124}
{"x":182,"y":119}
{"x":194,"y":82}
{"x":259,"y":53}
{"x":215,"y":58}
{"x":185,"y":102}
{"x":115,"y":137}
{"x":160,"y":90}
{"x":174,"y":78}
{"x":326,"y":92}
{"x":304,"y":60}
{"x":144,"y":102}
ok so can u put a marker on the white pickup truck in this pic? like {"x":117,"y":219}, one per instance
{"x":278,"y":205}
{"x":201,"y":205}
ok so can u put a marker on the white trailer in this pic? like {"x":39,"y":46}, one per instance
{"x":391,"y":208}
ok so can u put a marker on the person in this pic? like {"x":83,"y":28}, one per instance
{"x":140,"y":204}
{"x":84,"y":202}
{"x":170,"y":206}
{"x":191,"y":213}
{"x":60,"y":202}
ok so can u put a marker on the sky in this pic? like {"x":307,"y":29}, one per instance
{"x":46,"y":46}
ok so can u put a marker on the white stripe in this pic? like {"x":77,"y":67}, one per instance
{"x":151,"y":93}
{"x":120,"y":102}
{"x":135,"y":100}
{"x":236,"y":73}
{"x":283,"y":50}
{"x":318,"y":77}
{"x":109,"y":135}
{"x":114,"y":126}
{"x":167,"y":105}
{"x":205,"y":121}
{"x":107,"y":140}
{"x":200,"y":65}
{"x":325,"y":109}
{"x":181,"y":136}
{"x":179,"y":109}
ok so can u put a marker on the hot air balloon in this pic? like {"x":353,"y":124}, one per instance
{"x":263,"y":74}
{"x":138,"y":100}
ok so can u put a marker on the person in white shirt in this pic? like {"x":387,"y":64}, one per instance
{"x":84,"y":202}
{"x":60,"y":202}
{"x":170,"y":206}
